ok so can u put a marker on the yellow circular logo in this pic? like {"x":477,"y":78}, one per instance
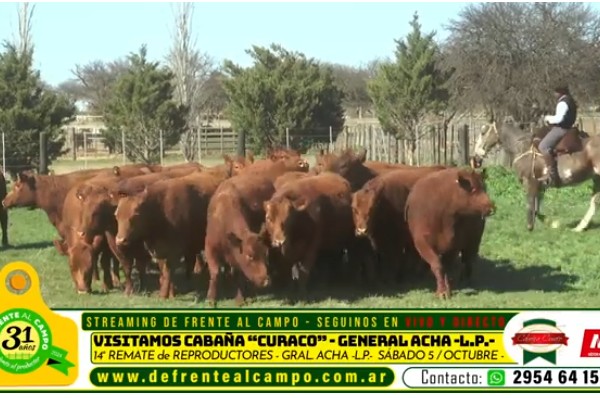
{"x":18,"y":282}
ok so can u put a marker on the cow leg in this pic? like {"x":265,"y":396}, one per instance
{"x":4,"y":226}
{"x":240,"y":299}
{"x":115,"y":274}
{"x":95,"y":275}
{"x":212,"y":261}
{"x":124,"y":260}
{"x":165,"y":278}
{"x":306,"y":266}
{"x":105,"y":264}
{"x":437,"y":268}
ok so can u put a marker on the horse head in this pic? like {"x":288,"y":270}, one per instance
{"x":487,"y":139}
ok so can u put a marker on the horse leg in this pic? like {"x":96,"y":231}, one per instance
{"x":532,"y":189}
{"x":585,"y":221}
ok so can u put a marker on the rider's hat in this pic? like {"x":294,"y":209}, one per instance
{"x":562,"y":89}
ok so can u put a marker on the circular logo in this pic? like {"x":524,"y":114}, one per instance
{"x":18,"y":282}
{"x":540,"y":338}
{"x":25,"y":341}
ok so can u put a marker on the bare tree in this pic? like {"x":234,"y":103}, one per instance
{"x":23,"y":41}
{"x":507,"y":57}
{"x":191,"y":69}
{"x":93,"y":82}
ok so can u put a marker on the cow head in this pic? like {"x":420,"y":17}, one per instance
{"x":250,"y":252}
{"x":236,"y":164}
{"x":131,"y":217}
{"x":470,"y":196}
{"x":82,"y":257}
{"x":280,"y":214}
{"x":282,"y":154}
{"x":363,"y":204}
{"x":23,"y":192}
{"x":96,"y":210}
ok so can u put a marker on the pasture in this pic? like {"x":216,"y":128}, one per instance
{"x":546,"y":268}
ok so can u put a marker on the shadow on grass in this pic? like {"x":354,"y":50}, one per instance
{"x":499,"y":276}
{"x":30,"y":246}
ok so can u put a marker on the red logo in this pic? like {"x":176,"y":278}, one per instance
{"x":590,"y":348}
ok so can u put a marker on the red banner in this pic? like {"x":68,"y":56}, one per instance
{"x":540,"y":338}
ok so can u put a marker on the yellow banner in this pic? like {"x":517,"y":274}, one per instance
{"x":254,"y":348}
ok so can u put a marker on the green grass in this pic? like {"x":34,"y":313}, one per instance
{"x":546,"y":268}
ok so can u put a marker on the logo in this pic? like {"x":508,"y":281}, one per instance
{"x":496,"y":377}
{"x":590,"y":348}
{"x":37,"y":346}
{"x":539,"y":338}
{"x":26,"y":344}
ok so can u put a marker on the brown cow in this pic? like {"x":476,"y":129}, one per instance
{"x":83,"y":254}
{"x":169,"y":216}
{"x":234,"y":232}
{"x":45,"y":192}
{"x":289,"y":176}
{"x":378,"y":212}
{"x":307,"y":216}
{"x":3,"y":211}
{"x":349,"y":165}
{"x":436,"y":210}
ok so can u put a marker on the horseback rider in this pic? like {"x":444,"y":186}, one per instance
{"x":563,"y":119}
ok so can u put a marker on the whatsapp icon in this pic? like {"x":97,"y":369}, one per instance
{"x":496,"y":377}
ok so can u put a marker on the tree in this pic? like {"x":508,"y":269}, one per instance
{"x":191,"y":70}
{"x":28,"y":108}
{"x":94,"y":82}
{"x":213,"y":98}
{"x":406,"y":90}
{"x":141,"y":106}
{"x":282,"y":90}
{"x":24,"y":40}
{"x":507,"y":57}
{"x":353,"y":82}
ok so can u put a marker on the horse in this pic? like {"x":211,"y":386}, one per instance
{"x":578,"y":160}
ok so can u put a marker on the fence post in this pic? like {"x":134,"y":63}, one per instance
{"x":241,"y":146}
{"x":287,"y":138}
{"x":331,"y":139}
{"x":43,"y":167}
{"x":123,"y":149}
{"x":3,"y":153}
{"x":161,"y":146}
{"x":85,"y":153}
{"x":463,"y":141}
{"x":199,"y":139}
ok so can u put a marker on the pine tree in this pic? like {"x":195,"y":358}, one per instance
{"x":141,"y":107}
{"x":283,"y":89}
{"x":28,"y":108}
{"x":405,"y":91}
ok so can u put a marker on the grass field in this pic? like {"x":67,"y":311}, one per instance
{"x":546,"y":268}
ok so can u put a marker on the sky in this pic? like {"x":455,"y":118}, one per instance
{"x":66,"y":34}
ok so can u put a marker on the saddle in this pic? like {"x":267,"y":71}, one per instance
{"x":572,"y":141}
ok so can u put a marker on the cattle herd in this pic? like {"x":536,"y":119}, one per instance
{"x":274,"y":222}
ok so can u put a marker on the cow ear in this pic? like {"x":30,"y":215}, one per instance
{"x":61,"y":247}
{"x":300,"y":204}
{"x":362,"y":155}
{"x":116,"y":171}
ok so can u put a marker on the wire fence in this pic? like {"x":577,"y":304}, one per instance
{"x":434,"y":144}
